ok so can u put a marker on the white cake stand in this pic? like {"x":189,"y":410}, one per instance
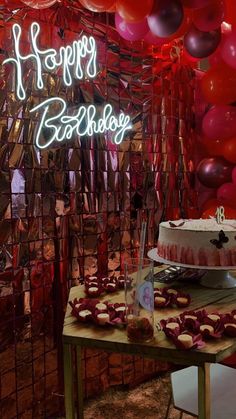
{"x":215,"y":277}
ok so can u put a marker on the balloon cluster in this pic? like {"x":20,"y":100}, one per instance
{"x":198,"y":22}
{"x":160,"y":21}
{"x":218,"y":87}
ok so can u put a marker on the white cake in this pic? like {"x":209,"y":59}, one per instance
{"x":198,"y":242}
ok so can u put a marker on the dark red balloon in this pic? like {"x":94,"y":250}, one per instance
{"x":165,"y":17}
{"x":214,"y":172}
{"x":201,"y":44}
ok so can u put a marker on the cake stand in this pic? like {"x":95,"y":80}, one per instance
{"x":216,"y":276}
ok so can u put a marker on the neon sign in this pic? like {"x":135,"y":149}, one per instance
{"x":77,"y":61}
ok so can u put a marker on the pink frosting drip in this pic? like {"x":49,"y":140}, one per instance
{"x":201,"y":257}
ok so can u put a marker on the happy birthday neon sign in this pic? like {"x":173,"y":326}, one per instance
{"x":77,"y":61}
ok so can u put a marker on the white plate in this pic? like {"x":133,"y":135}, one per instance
{"x":152,"y":254}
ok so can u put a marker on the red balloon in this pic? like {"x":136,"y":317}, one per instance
{"x":97,"y":5}
{"x":209,"y":17}
{"x":219,"y":85}
{"x":227,"y":194}
{"x":213,"y":172}
{"x":201,"y":44}
{"x":220,"y":122}
{"x":228,"y":50}
{"x":229,"y":150}
{"x":133,"y":10}
{"x":230,"y":12}
{"x":39,"y":4}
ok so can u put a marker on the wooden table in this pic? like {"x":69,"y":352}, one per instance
{"x":115,"y":340}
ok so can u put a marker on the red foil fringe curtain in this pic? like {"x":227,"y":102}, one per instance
{"x":76,"y":208}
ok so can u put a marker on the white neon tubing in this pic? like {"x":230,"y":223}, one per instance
{"x":63,"y":127}
{"x":68,"y":57}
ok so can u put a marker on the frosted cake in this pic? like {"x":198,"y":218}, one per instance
{"x":198,"y":242}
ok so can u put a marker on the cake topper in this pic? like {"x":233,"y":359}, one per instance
{"x":220,"y":215}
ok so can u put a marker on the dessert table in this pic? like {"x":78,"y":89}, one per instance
{"x":81,"y":335}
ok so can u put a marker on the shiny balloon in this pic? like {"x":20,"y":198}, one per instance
{"x":220,"y":122}
{"x":228,"y":50}
{"x":213,"y":172}
{"x":219,"y":85}
{"x":39,"y":4}
{"x":227,"y":194}
{"x":98,"y":5}
{"x":165,"y":17}
{"x":210,"y":17}
{"x":201,"y":44}
{"x":131,"y":31}
{"x":133,"y":10}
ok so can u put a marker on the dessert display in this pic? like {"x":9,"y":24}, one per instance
{"x":192,"y":328}
{"x":198,"y":242}
{"x":105,"y":313}
{"x":163,"y":297}
{"x":169,"y":297}
{"x":101,"y":313}
{"x":95,"y":286}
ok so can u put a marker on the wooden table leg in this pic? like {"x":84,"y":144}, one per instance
{"x":68,"y":382}
{"x":80,"y":399}
{"x":204,"y":396}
